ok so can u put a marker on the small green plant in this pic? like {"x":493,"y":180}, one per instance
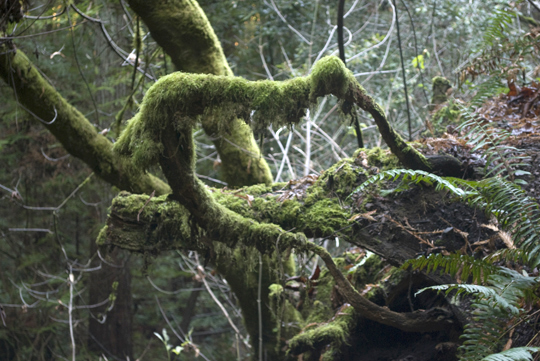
{"x":164,"y":337}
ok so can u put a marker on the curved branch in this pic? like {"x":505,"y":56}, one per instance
{"x":177,"y":100}
{"x":70,"y":127}
{"x":434,"y":319}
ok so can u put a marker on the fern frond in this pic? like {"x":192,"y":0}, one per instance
{"x":501,"y":50}
{"x":500,"y":158}
{"x":409,"y":177}
{"x":492,"y":86}
{"x":453,"y":264}
{"x":479,"y":292}
{"x":514,"y":354}
{"x":515,"y":212}
{"x":498,"y":25}
{"x":495,"y":308}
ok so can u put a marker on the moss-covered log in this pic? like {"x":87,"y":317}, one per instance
{"x":164,"y":224}
{"x":181,"y":28}
{"x":78,"y":136}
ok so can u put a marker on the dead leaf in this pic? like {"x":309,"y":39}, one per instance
{"x":366,"y":215}
{"x":249,"y":198}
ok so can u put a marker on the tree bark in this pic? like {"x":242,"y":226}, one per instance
{"x":111,"y":329}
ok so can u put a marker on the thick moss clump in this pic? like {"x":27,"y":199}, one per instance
{"x":184,"y":98}
{"x":330,"y":76}
{"x":333,"y":333}
{"x":383,"y":159}
{"x":440,"y":87}
{"x":448,"y":114}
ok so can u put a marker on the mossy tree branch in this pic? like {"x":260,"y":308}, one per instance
{"x":78,"y":136}
{"x":185,"y":98}
{"x":181,"y":28}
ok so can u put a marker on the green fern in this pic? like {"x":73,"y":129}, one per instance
{"x":409,"y":177}
{"x":516,"y":213}
{"x":498,"y":26}
{"x":514,"y":354}
{"x":491,"y":87}
{"x":498,"y":300}
{"x":464,"y":265}
{"x":496,"y":307}
{"x":501,"y":51}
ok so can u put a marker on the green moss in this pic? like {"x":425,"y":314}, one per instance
{"x":335,"y":333}
{"x":102,"y":236}
{"x":378,"y":157}
{"x":184,"y":97}
{"x":183,"y":31}
{"x":319,"y":214}
{"x":330,"y":76}
{"x":449,"y":114}
{"x":440,"y":87}
{"x":324,"y":217}
{"x":319,"y":311}
{"x":441,"y":82}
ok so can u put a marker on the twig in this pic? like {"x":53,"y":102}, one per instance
{"x":119,"y":51}
{"x":220,"y":305}
{"x":416,"y":49}
{"x":268,"y":73}
{"x":172,"y":328}
{"x":146,"y":203}
{"x":403,"y":72}
{"x":289,"y":25}
{"x":259,"y":309}
{"x":65,"y":200}
{"x":534,"y":5}
{"x":414,"y":234}
{"x":71,"y":281}
{"x":80,"y":70}
{"x":341,"y":47}
{"x":285,"y":151}
{"x":3,"y":315}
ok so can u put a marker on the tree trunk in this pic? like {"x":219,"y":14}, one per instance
{"x":111,"y":328}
